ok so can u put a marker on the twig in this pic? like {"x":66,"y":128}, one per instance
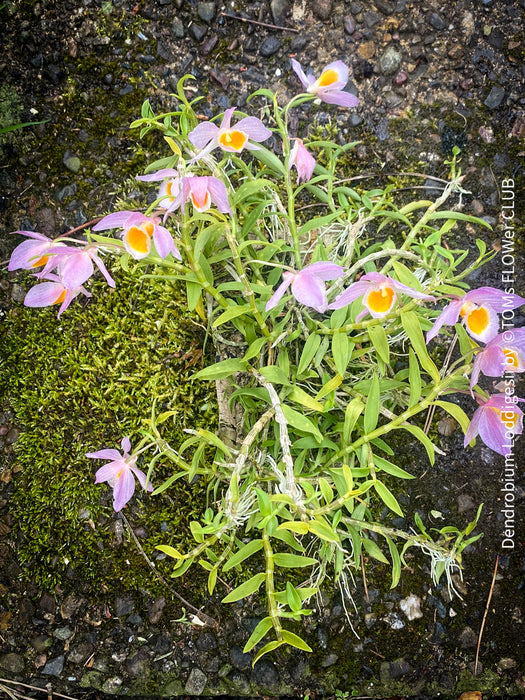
{"x":364,"y":578}
{"x":206,"y":619}
{"x":260,"y":24}
{"x":485,"y":614}
{"x":88,"y":223}
{"x":33,"y":687}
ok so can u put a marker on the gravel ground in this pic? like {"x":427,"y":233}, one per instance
{"x":429,"y":75}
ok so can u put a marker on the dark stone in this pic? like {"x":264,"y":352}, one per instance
{"x":279,"y":10}
{"x":322,"y":9}
{"x":391,"y":670}
{"x":126,"y":90}
{"x":329,"y":660}
{"x":137,"y":665}
{"x":206,"y":641}
{"x":270,"y":46}
{"x":239,"y":683}
{"x":265,"y":676}
{"x":371,"y":19}
{"x":177,"y":28}
{"x":47,"y":602}
{"x":63,"y":633}
{"x":54,"y":74}
{"x":41,"y":643}
{"x":387,"y":7}
{"x":239,"y":660}
{"x":80,"y":653}
{"x":298,"y":42}
{"x":208,"y":45}
{"x":495,"y":97}
{"x":206,"y":11}
{"x":196,"y":682}
{"x":123,"y":606}
{"x":349,"y":24}
{"x":12,"y":663}
{"x":437,"y":22}
{"x":390,"y":61}
{"x":198,"y":31}
{"x":468,"y":638}
{"x":54,"y":667}
{"x":156,"y":610}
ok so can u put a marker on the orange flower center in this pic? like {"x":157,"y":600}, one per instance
{"x":233,"y":139}
{"x":511,"y":357}
{"x":60,"y":298}
{"x":40,"y":261}
{"x":138,"y":236}
{"x":477,"y":320}
{"x":328,"y":77}
{"x":380,"y":300}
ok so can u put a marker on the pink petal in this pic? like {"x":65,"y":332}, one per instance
{"x":103,"y":269}
{"x":123,"y":489}
{"x":158,"y":175}
{"x":141,"y":477}
{"x":339,"y":97}
{"x":254,"y":129}
{"x":109,"y":471}
{"x":495,"y":298}
{"x":309,"y":290}
{"x":305,"y":80}
{"x":126,"y":445}
{"x":281,"y":289}
{"x":409,"y":291}
{"x":218,"y":192}
{"x":472,"y":429}
{"x":33,"y":234}
{"x":198,"y":188}
{"x":105,"y":454}
{"x":27,"y":253}
{"x":448,"y":317}
{"x":203,"y":134}
{"x":227,"y":118}
{"x":163,"y":241}
{"x":324,"y":270}
{"x":492,"y":361}
{"x":116,"y":220}
{"x":76,"y":269}
{"x":44,"y":294}
{"x":353,"y":292}
{"x":492,"y":431}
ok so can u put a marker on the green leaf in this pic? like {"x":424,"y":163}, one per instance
{"x":295,"y":641}
{"x":423,"y":439}
{"x":293,"y":598}
{"x":331,"y":385}
{"x":301,"y":422}
{"x":300,"y":396}
{"x":379,"y":340}
{"x":352,"y":413}
{"x":373,"y":550}
{"x":323,"y":531}
{"x":414,"y":378}
{"x":396,"y":562}
{"x":264,"y":626}
{"x":413,"y":206}
{"x":213,"y":439}
{"x":406,"y":277}
{"x":220,"y":370}
{"x":317,"y":222}
{"x":244,"y":553}
{"x":326,"y":490}
{"x":372,"y":406}
{"x":245,"y":589}
{"x":456,"y":412}
{"x":271,"y":645}
{"x":193,"y":294}
{"x":292,"y":561}
{"x":341,"y":351}
{"x":387,"y":497}
{"x":274,"y":374}
{"x":181,"y":570}
{"x":233,"y":312}
{"x":297,"y":526}
{"x":458,"y":216}
{"x":390,"y":468}
{"x":170,"y":551}
{"x":412,"y":328}
{"x":212,"y":580}
{"x":255,"y":348}
{"x":310,"y":348}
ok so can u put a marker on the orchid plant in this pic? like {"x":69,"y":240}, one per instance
{"x":327,"y":314}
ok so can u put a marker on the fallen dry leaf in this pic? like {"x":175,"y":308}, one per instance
{"x":470,"y":695}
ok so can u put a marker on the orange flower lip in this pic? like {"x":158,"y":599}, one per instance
{"x":233,"y":139}
{"x":380,"y":301}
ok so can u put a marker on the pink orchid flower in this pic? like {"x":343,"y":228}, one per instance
{"x":307,"y":285}
{"x":53,"y":291}
{"x":30,"y":254}
{"x":303,"y":161}
{"x":203,"y":190}
{"x":478,"y":309}
{"x":137,"y":233}
{"x":207,"y":136}
{"x":119,"y":472}
{"x":75,"y":265}
{"x":504,"y":353}
{"x":329,"y":86}
{"x":496,"y":422}
{"x":170,"y":186}
{"x":379,"y":294}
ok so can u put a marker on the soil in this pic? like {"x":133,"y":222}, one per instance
{"x":429,"y":76}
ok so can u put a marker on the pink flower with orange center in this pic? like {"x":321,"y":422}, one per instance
{"x":138,"y":231}
{"x":207,"y":136}
{"x":170,"y":186}
{"x":496,"y":421}
{"x":33,"y":253}
{"x":379,"y":294}
{"x":307,"y":285}
{"x":504,"y":353}
{"x":328,"y":87}
{"x":479,"y":311}
{"x":53,"y":291}
{"x":303,"y":161}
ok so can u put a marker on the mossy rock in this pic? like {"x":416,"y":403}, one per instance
{"x":80,"y":383}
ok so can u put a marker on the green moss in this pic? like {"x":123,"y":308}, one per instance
{"x":79,"y":384}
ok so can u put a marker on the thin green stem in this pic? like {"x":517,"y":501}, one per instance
{"x":270,"y":586}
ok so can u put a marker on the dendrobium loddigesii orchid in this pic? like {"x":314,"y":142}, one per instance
{"x":120,"y":473}
{"x":329,"y":86}
{"x":75,"y":265}
{"x":30,"y":254}
{"x":303,"y":161}
{"x":497,"y":421}
{"x":53,"y":291}
{"x":207,"y":136}
{"x":203,"y":190}
{"x":504,"y":353}
{"x":307,"y":285}
{"x":379,"y":294}
{"x":479,"y":310}
{"x":138,"y":231}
